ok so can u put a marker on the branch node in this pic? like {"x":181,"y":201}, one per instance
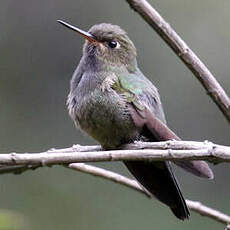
{"x":168,"y":144}
{"x":110,"y":156}
{"x":207,"y":142}
{"x":51,"y":150}
{"x":76,"y":147}
{"x":183,"y":52}
{"x":43,"y":163}
{"x":13,"y":157}
{"x":170,"y":153}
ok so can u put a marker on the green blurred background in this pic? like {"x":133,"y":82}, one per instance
{"x":37,"y":59}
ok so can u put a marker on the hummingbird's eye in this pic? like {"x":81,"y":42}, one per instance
{"x":113,"y":44}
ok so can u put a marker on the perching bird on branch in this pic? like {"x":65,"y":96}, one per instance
{"x":113,"y":102}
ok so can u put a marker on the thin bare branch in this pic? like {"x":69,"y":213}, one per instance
{"x":209,"y":212}
{"x":190,"y":59}
{"x":106,"y":174}
{"x":169,"y":150}
{"x":193,"y":205}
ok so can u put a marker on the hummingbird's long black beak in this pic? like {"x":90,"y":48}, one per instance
{"x":86,"y":35}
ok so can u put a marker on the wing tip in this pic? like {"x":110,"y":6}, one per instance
{"x":198,"y":168}
{"x":207,"y":173}
{"x":205,"y":170}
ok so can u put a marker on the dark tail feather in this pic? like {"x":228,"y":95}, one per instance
{"x":159,"y":180}
{"x":179,"y":213}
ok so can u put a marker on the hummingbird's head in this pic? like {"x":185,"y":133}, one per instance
{"x":108,"y":43}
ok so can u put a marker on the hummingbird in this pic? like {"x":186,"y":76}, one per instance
{"x":112,"y":101}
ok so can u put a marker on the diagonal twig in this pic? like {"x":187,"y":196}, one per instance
{"x":133,"y":184}
{"x":190,"y":59}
